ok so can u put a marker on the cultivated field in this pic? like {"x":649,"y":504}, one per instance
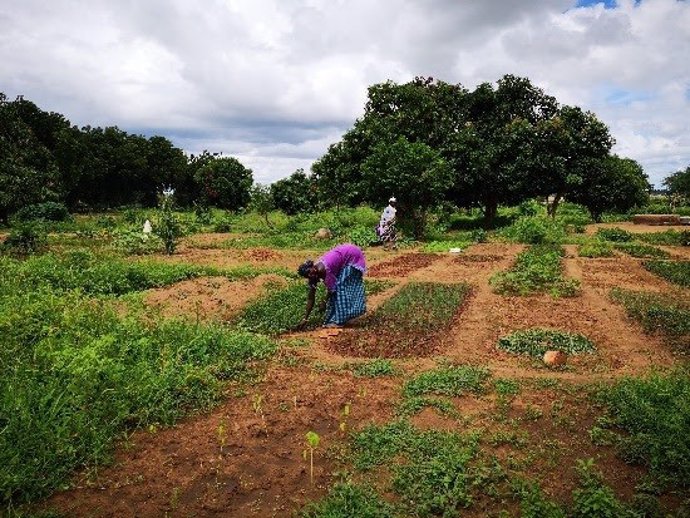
{"x":435,"y":403}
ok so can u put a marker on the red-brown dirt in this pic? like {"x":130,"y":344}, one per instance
{"x":402,"y":265}
{"x":210,"y":297}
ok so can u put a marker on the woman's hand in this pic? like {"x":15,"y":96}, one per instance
{"x":322,"y":306}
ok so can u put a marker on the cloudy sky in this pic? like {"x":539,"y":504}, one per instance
{"x":274,"y":82}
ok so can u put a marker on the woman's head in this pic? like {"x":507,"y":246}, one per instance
{"x":308,"y":270}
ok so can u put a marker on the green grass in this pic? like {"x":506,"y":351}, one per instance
{"x":658,"y":313}
{"x":105,"y":275}
{"x":677,"y":272}
{"x":537,"y":270}
{"x":653,"y":415}
{"x":535,"y":342}
{"x":641,"y":251}
{"x":448,"y":381}
{"x":74,"y":374}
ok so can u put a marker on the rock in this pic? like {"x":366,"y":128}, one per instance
{"x":323,"y":233}
{"x":555,"y":358}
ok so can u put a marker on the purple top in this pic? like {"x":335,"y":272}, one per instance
{"x":337,"y":258}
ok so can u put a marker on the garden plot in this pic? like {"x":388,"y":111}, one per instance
{"x":411,"y":323}
{"x":402,"y":265}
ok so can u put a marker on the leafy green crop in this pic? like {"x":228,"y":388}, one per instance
{"x":448,"y":381}
{"x":677,"y":272}
{"x":535,"y":342}
{"x":640,"y":250}
{"x":538,"y":269}
{"x":596,"y":248}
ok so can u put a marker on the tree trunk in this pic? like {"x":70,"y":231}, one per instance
{"x":490,"y":210}
{"x":552,"y":207}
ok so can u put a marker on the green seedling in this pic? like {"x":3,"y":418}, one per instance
{"x":344,"y":416}
{"x":257,"y":405}
{"x":222,"y":434}
{"x":313,"y":441}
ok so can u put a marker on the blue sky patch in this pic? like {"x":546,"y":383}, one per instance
{"x":608,"y":4}
{"x":623,"y":97}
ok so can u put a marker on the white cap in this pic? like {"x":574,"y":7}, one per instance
{"x":392,"y":200}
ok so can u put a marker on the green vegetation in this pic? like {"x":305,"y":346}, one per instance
{"x":596,"y":248}
{"x":373,"y":368}
{"x":540,"y":230}
{"x":100,"y":275}
{"x":538,"y":269}
{"x":658,"y":313}
{"x":535,"y":342}
{"x":448,"y":381}
{"x":408,"y":322}
{"x":349,"y":500}
{"x":282,"y":309}
{"x":68,"y":404}
{"x":677,"y":272}
{"x":653,"y":414}
{"x":615,"y":234}
{"x":415,"y":404}
{"x":432,"y":471}
{"x":640,"y":250}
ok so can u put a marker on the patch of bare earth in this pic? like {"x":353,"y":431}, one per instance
{"x":402,"y":265}
{"x":214,"y":298}
{"x":243,"y":459}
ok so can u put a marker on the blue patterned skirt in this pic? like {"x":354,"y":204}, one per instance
{"x":348,"y":301}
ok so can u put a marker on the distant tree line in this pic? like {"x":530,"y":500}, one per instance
{"x":427,"y":142}
{"x":44,"y":158}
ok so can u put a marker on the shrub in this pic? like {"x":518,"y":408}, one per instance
{"x":536,"y":231}
{"x":135,"y":242}
{"x":47,"y":211}
{"x":168,"y":228}
{"x":25,"y":239}
{"x":615,"y":234}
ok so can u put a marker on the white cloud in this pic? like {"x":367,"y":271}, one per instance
{"x":274,"y":82}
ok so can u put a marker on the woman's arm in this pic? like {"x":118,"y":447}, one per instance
{"x":310,"y":305}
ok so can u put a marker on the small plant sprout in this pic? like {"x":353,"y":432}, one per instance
{"x":257,"y":405}
{"x":345,"y":415}
{"x":313,"y":441}
{"x":222,"y":434}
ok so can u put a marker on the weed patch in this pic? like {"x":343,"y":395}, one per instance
{"x":536,"y":270}
{"x":617,"y":235}
{"x":69,"y":402}
{"x":654,"y":413}
{"x":535,"y":342}
{"x":596,"y":248}
{"x":433,"y":472}
{"x":374,"y":368}
{"x":658,"y":313}
{"x":448,"y":381}
{"x":347,"y":499}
